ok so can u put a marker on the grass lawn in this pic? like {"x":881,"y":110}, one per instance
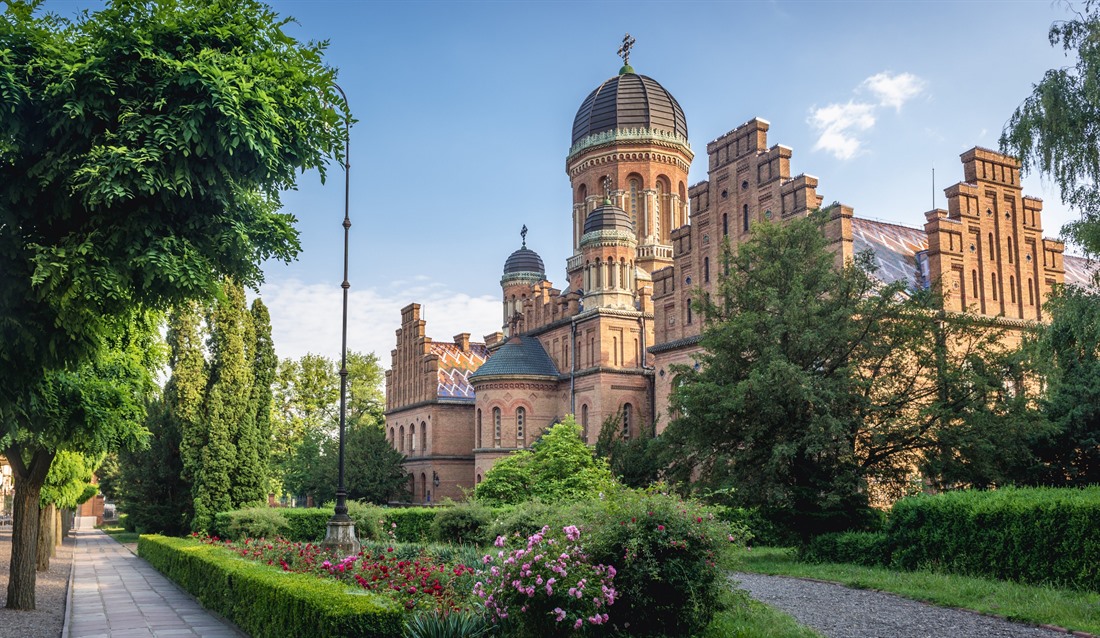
{"x":1079,"y":611}
{"x":747,"y":618}
{"x":120,"y":534}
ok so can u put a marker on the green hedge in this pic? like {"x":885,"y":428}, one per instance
{"x":265,"y":602}
{"x":859,"y":548}
{"x":1034,"y":535}
{"x":414,"y":524}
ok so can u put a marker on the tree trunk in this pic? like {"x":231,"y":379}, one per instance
{"x":58,"y":537}
{"x":29,"y":479}
{"x":45,"y":538}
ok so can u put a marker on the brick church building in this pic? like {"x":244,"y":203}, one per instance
{"x":643,"y":242}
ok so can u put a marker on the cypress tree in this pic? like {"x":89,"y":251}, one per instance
{"x":226,"y":412}
{"x":253,"y":481}
{"x":184,"y":397}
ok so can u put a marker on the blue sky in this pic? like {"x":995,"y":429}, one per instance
{"x":465,"y":112}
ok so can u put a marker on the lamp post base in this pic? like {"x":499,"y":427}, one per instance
{"x":340,"y":537}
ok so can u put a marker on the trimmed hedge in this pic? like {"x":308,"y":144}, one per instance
{"x":414,"y":524}
{"x":1034,"y":535}
{"x":265,"y":602}
{"x":860,"y":548}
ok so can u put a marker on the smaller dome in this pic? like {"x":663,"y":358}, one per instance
{"x":524,"y":260}
{"x":608,"y":217}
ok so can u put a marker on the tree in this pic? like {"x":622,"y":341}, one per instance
{"x":142,"y":151}
{"x":1070,"y":454}
{"x":150,"y":488}
{"x":1057,"y":128}
{"x":373,"y":468}
{"x":558,"y":467}
{"x":819,"y":385}
{"x":264,"y":364}
{"x":98,"y":407}
{"x":68,"y":485}
{"x":637,"y":462}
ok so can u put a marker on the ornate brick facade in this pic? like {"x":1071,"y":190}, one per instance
{"x":643,"y":244}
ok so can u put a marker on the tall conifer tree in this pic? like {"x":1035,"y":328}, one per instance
{"x":264,"y":363}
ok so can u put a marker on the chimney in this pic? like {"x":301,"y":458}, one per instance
{"x":463,"y":341}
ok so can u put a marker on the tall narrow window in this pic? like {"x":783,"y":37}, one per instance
{"x":994,"y":277}
{"x":628,"y":420}
{"x":1010,"y":249}
{"x":479,"y":444}
{"x":412,"y":438}
{"x":423,"y":487}
{"x":1030,"y":292}
{"x":992,"y":256}
{"x":521,"y":427}
{"x":974,"y":274}
{"x":496,"y":426}
{"x":689,"y":312}
{"x":423,"y":438}
{"x":634,"y":188}
{"x":745,"y":218}
{"x":584,"y":422}
{"x":391,"y":429}
{"x":725,"y":224}
{"x":401,"y":448}
{"x":706,"y":269}
{"x":1012,"y":287}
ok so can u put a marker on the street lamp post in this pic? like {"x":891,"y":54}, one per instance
{"x":340,"y":533}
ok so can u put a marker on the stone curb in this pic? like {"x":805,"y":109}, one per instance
{"x":66,"y":625}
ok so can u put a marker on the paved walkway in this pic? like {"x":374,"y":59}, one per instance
{"x":115,"y":594}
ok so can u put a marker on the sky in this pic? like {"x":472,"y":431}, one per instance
{"x":465,"y":113}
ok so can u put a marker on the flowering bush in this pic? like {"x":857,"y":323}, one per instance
{"x":422,"y":583}
{"x":668,"y":553}
{"x":547,"y":586}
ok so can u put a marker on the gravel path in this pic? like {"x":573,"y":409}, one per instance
{"x":49,"y":595}
{"x":840,"y":612}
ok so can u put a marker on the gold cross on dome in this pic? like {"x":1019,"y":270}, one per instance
{"x":624,"y":50}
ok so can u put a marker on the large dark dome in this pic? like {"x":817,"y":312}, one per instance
{"x":629,"y":101}
{"x":608,"y":217}
{"x":524,"y":260}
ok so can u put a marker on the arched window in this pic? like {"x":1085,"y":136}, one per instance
{"x":423,"y":438}
{"x":725,"y":224}
{"x":521,"y":427}
{"x":994,"y":276}
{"x":635,"y":187}
{"x":628,"y":420}
{"x":401,"y":448}
{"x":689,"y":311}
{"x":582,"y":193}
{"x":391,"y":436}
{"x":479,"y":478}
{"x":745,"y":218}
{"x":423,"y":488}
{"x":496,"y":427}
{"x":584,"y":422}
{"x":706,"y":269}
{"x":599,"y":274}
{"x":479,"y":444}
{"x":412,"y":438}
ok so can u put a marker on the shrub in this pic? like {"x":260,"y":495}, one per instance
{"x":265,"y":602}
{"x":462,"y":523}
{"x":860,"y":548}
{"x":408,"y":524}
{"x":366,"y":517}
{"x":667,"y":553}
{"x":252,"y":522}
{"x":524,"y":520}
{"x":454,"y":625}
{"x":1035,"y":535}
{"x":547,"y":586}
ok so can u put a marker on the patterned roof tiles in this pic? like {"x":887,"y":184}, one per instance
{"x":455,"y":368}
{"x":519,"y":356}
{"x":1079,"y":270}
{"x":895,"y":248}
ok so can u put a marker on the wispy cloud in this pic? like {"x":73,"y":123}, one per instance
{"x":894,"y":90}
{"x":839,"y":125}
{"x":306,"y":317}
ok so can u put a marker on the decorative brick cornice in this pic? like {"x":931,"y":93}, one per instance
{"x":667,"y":139}
{"x":517,"y":384}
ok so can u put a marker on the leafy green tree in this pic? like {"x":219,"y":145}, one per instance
{"x":558,"y":467}
{"x":1057,"y":128}
{"x":68,"y":484}
{"x":98,"y":407}
{"x":637,"y":462}
{"x":1070,"y":454}
{"x":264,"y":364}
{"x":373,"y":471}
{"x":306,"y":398}
{"x":818,"y":385}
{"x":142,"y":151}
{"x":150,"y":488}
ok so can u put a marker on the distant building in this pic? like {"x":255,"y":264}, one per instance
{"x":643,"y":242}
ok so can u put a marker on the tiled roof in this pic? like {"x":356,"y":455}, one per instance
{"x":1079,"y":270}
{"x":455,"y":368}
{"x":519,"y":356}
{"x":895,"y":249}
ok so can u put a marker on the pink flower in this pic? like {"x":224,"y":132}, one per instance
{"x":499,"y":541}
{"x":660,"y":528}
{"x":577,"y":625}
{"x":559,"y":614}
{"x":571,"y":532}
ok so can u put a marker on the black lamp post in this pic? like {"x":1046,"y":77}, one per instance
{"x":340,"y":534}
